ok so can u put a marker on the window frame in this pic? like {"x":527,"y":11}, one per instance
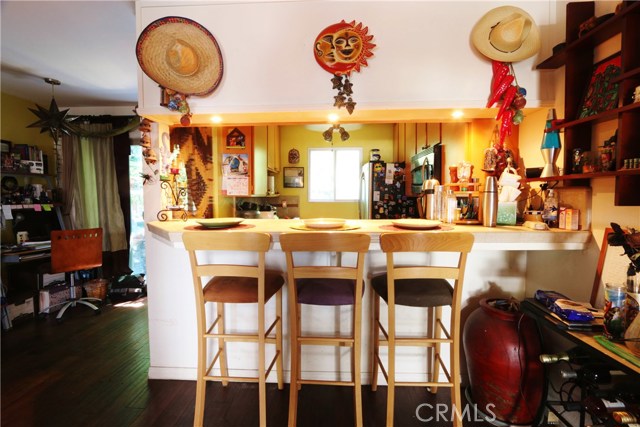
{"x":335,"y":151}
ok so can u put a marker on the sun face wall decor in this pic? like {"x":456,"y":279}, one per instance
{"x":340,"y":49}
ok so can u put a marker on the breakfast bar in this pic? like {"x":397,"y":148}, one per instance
{"x":498,"y":266}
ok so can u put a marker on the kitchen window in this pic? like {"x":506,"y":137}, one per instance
{"x":334,"y":174}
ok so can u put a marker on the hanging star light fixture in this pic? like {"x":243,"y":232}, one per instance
{"x":52,"y":120}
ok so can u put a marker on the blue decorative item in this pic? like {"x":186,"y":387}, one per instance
{"x":550,"y":146}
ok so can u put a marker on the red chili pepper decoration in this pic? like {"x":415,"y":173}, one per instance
{"x":500,"y":69}
{"x":502,"y":87}
{"x":505,"y":126}
{"x":509,"y":94}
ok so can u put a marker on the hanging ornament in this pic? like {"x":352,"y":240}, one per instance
{"x":340,"y":49}
{"x":506,"y":92}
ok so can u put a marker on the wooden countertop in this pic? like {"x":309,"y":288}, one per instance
{"x":510,"y":238}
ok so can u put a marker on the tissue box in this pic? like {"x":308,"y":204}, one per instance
{"x":507,"y":213}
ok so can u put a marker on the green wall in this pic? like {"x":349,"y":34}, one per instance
{"x":15,"y":117}
{"x":304,"y":137}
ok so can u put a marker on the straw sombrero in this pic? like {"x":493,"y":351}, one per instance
{"x":181,"y":55}
{"x":506,"y":34}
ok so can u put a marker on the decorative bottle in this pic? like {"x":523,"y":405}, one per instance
{"x":574,"y":355}
{"x":451,"y":205}
{"x":550,"y":213}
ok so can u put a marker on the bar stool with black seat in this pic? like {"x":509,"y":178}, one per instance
{"x":73,"y":251}
{"x":324,"y":285}
{"x":229,"y":280}
{"x":429,"y":281}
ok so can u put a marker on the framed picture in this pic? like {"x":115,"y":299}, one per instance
{"x":602,"y":91}
{"x":5,"y":146}
{"x":235,"y":139}
{"x":293,"y":177}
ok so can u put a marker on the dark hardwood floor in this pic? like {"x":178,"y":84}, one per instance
{"x":92,"y":371}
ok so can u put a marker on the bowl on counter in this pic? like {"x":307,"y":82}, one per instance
{"x":249,"y":214}
{"x":267,"y":214}
{"x":324,"y":223}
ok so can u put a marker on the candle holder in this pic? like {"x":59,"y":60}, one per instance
{"x":172,"y":189}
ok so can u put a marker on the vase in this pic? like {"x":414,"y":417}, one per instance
{"x":502,"y":348}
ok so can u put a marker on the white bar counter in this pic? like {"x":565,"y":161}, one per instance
{"x":496,"y":267}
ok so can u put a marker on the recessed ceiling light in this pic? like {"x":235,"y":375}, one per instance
{"x":333,"y":118}
{"x":216,"y":119}
{"x":456,"y":114}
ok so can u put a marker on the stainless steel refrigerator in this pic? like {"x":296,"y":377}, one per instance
{"x":382,"y":192}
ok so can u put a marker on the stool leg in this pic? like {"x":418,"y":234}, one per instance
{"x":357,"y":357}
{"x":299,"y":346}
{"x":391,"y":368}
{"x":279,"y":367}
{"x":262,"y":387}
{"x":375,"y":340}
{"x":224,"y":371}
{"x":435,"y":313}
{"x":198,"y":417}
{"x":456,"y":398}
{"x":293,"y":388}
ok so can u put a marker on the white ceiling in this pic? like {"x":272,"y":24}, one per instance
{"x":89,"y":46}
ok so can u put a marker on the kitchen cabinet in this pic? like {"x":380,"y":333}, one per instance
{"x":273,"y":149}
{"x":578,"y":60}
{"x":266,"y":154}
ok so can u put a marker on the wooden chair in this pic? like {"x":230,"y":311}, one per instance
{"x":72,"y":251}
{"x":232,"y":282}
{"x":328,"y":286}
{"x":428,"y":286}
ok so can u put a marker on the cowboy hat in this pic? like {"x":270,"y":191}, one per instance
{"x":181,"y":55}
{"x":506,"y":34}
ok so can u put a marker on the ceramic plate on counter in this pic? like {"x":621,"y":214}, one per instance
{"x":219,"y":222}
{"x":324,"y":223}
{"x":416,"y":224}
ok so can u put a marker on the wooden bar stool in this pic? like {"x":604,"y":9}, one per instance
{"x":220,"y":283}
{"x":426,"y":285}
{"x":325,"y":285}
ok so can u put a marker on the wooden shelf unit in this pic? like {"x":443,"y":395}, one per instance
{"x":578,"y":59}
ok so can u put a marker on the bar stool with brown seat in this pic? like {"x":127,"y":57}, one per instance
{"x":223,"y":278}
{"x":430,"y":282}
{"x":324,"y":285}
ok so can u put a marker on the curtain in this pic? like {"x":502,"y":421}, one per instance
{"x":90,"y":187}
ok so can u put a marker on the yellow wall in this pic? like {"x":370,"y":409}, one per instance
{"x":304,"y":137}
{"x":13,"y":126}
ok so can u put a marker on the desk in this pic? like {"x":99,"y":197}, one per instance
{"x":26,"y":253}
{"x":20,"y":265}
{"x":585,"y":340}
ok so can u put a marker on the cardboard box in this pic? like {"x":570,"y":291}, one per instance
{"x":34,"y":166}
{"x":53,"y":297}
{"x":572,"y":219}
{"x":20,"y":310}
{"x":562,"y":217}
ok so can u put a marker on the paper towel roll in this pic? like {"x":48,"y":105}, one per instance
{"x":271,"y":184}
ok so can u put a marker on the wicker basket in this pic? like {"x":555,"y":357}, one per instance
{"x":97,"y":288}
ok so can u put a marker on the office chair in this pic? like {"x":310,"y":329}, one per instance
{"x":72,"y":251}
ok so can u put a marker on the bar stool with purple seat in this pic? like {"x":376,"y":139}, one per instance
{"x":311,"y":284}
